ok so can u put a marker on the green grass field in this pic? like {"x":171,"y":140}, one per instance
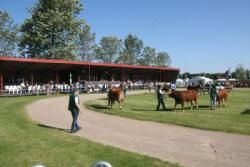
{"x":235,"y":118}
{"x":23,"y":143}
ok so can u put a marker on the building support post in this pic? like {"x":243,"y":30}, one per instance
{"x":160,"y":76}
{"x":57,"y":78}
{"x":123,"y":74}
{"x":78,"y":76}
{"x":164,"y":76}
{"x":89,"y":72}
{"x":1,"y":82}
{"x":32,"y":79}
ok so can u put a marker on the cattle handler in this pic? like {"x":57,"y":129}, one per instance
{"x":212,"y":93}
{"x":74,"y":108}
{"x":160,"y":98}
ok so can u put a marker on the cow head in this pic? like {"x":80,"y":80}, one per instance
{"x":171,"y":93}
{"x":166,"y":88}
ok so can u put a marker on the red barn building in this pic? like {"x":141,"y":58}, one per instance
{"x":35,"y":70}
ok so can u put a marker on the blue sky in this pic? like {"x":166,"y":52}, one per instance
{"x":199,"y":35}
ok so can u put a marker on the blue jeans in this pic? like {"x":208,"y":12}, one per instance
{"x":74,"y":126}
{"x":213,"y":102}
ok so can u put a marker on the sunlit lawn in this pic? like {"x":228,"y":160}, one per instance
{"x":23,"y":143}
{"x":234,"y":118}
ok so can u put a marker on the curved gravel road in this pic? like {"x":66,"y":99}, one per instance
{"x":186,"y":146}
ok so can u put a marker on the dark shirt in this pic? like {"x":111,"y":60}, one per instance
{"x":212,"y":92}
{"x":72,"y":104}
{"x":159,"y":94}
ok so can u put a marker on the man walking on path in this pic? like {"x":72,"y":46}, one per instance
{"x":74,"y":108}
{"x":160,"y":98}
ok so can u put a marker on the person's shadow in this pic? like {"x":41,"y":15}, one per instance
{"x":51,"y":127}
{"x":247,"y":111}
{"x":98,"y":106}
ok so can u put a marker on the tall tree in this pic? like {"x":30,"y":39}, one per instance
{"x":8,"y":35}
{"x":109,"y":49}
{"x":132,"y":50}
{"x":228,"y":73}
{"x":148,"y":56}
{"x":248,"y":73}
{"x":85,"y":44}
{"x":240,"y":72}
{"x":163,"y":59}
{"x":51,"y":30}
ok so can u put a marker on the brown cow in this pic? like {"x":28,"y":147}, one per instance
{"x":221,"y":97}
{"x":181,"y":97}
{"x":196,"y":88}
{"x":116,"y":94}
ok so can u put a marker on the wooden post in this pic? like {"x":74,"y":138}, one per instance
{"x":57,"y":79}
{"x":164,"y":76}
{"x":123,"y":77}
{"x":160,"y":76}
{"x":31,"y":78}
{"x":89,"y":72}
{"x":1,"y":82}
{"x":78,"y":77}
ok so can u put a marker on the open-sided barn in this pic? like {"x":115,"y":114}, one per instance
{"x":36,"y":70}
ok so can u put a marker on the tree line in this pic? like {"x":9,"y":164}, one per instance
{"x":55,"y":31}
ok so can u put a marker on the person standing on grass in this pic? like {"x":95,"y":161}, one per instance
{"x":213,"y":94}
{"x":74,"y":108}
{"x":160,"y":98}
{"x":126,"y":89}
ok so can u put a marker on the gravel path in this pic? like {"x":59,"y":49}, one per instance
{"x":186,"y":146}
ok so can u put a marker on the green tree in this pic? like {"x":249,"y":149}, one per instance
{"x":109,"y":49}
{"x":132,"y":50}
{"x":163,"y":59}
{"x":52,"y":29}
{"x":148,"y":56}
{"x":186,"y":75}
{"x":240,"y":72}
{"x":8,"y":35}
{"x":248,"y":73}
{"x":85,"y":43}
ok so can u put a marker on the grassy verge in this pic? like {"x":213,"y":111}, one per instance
{"x":23,"y":143}
{"x":235,"y":118}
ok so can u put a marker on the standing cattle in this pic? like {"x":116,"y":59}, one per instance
{"x":222,"y":97}
{"x":181,"y":97}
{"x":116,"y":94}
{"x":196,"y":88}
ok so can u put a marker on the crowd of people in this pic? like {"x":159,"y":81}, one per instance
{"x":26,"y":88}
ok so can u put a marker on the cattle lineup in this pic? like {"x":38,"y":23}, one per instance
{"x":181,"y":96}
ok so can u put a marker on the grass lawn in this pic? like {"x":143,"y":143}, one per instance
{"x":235,"y":118}
{"x":23,"y":144}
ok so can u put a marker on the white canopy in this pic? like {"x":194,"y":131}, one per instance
{"x":179,"y":82}
{"x":196,"y":80}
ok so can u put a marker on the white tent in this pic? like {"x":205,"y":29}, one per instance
{"x":179,"y":82}
{"x":196,"y":80}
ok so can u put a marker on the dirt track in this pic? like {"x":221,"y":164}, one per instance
{"x":186,"y":146}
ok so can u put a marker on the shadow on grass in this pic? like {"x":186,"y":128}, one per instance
{"x":247,"y":111}
{"x":51,"y":127}
{"x":139,"y":109}
{"x":204,"y":106}
{"x":98,"y":106}
{"x":188,"y":108}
